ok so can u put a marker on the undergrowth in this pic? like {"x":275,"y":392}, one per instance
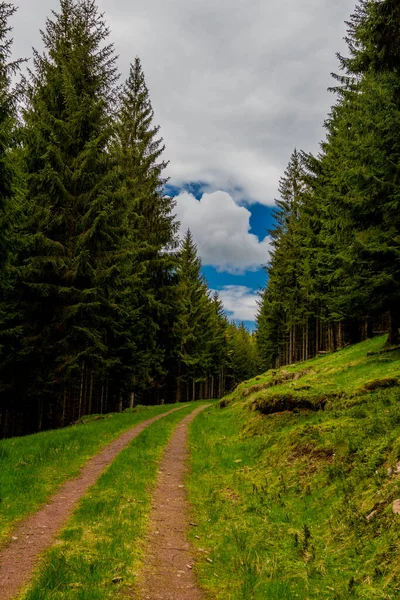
{"x":298,"y":504}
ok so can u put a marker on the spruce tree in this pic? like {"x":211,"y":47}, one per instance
{"x":244,"y":358}
{"x":283,"y":314}
{"x":8,"y":98}
{"x":192,"y":312}
{"x":73,"y":218}
{"x":366,"y":130}
{"x":11,"y":189}
{"x":150,"y":229}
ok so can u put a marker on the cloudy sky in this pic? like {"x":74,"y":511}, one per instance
{"x":235,"y":85}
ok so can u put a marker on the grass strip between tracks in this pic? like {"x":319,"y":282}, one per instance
{"x":33,"y":467}
{"x":100,"y":552}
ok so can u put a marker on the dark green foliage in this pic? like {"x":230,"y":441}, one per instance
{"x":100,"y":309}
{"x":243,"y":352}
{"x":334,"y":274}
{"x":73,"y":217}
{"x":8,"y":99}
{"x":149,"y":237}
{"x":212,"y":355}
{"x":196,"y":315}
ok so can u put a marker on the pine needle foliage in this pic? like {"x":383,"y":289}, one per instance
{"x":73,"y":215}
{"x":150,"y":231}
{"x":334,"y":273}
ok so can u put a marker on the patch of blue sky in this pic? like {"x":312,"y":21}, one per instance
{"x":217,"y":280}
{"x":261,"y":220}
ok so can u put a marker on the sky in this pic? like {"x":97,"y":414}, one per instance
{"x":235,"y":85}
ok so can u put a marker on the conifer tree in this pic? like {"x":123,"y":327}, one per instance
{"x":8,"y":98}
{"x":283,"y":314}
{"x":192,"y":312}
{"x":10,"y":184}
{"x":74,"y":219}
{"x":366,"y":129}
{"x":150,"y":226}
{"x":218,"y":349}
{"x":244,"y":357}
{"x":345,"y":268}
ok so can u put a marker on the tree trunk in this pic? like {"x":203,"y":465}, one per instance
{"x":178,"y":390}
{"x":369,"y":329}
{"x":101,"y":399}
{"x":91,"y":394}
{"x":307,"y":338}
{"x":81,"y":390}
{"x":178,"y":397}
{"x":394,"y":326}
{"x":64,"y":406}
{"x":40,"y":414}
{"x":106,"y":399}
{"x":334,"y":340}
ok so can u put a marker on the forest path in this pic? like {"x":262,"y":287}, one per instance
{"x":38,"y":532}
{"x":168,"y":573}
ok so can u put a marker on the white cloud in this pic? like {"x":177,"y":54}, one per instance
{"x":236,"y":84}
{"x":221,"y":230}
{"x":240,"y":302}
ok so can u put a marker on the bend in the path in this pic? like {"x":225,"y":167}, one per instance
{"x":168,"y":574}
{"x":37,"y":533}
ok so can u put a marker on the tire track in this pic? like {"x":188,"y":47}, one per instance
{"x":168,"y":574}
{"x":37,"y":533}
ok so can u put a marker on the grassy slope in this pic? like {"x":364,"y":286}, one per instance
{"x":33,"y":467}
{"x":282,"y":500}
{"x":101,"y":550}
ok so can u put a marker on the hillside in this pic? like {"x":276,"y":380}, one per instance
{"x":295,"y":480}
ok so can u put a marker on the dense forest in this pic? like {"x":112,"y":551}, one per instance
{"x":334,"y":271}
{"x":101,"y":305}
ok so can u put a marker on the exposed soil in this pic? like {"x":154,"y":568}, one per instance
{"x":168,"y":574}
{"x":37,"y":533}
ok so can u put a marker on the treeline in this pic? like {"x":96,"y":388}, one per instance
{"x":334,"y":271}
{"x":100,"y":306}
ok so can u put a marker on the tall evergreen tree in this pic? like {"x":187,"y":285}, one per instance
{"x":10,"y":180}
{"x":283,"y":314}
{"x":74,"y":219}
{"x":195,"y":316}
{"x":370,"y":117}
{"x":8,"y":98}
{"x":337,"y":262}
{"x":244,"y":357}
{"x":150,"y":227}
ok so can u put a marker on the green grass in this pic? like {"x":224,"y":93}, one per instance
{"x":99,"y":553}
{"x":281,"y":500}
{"x":324,"y":378}
{"x":33,"y":467}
